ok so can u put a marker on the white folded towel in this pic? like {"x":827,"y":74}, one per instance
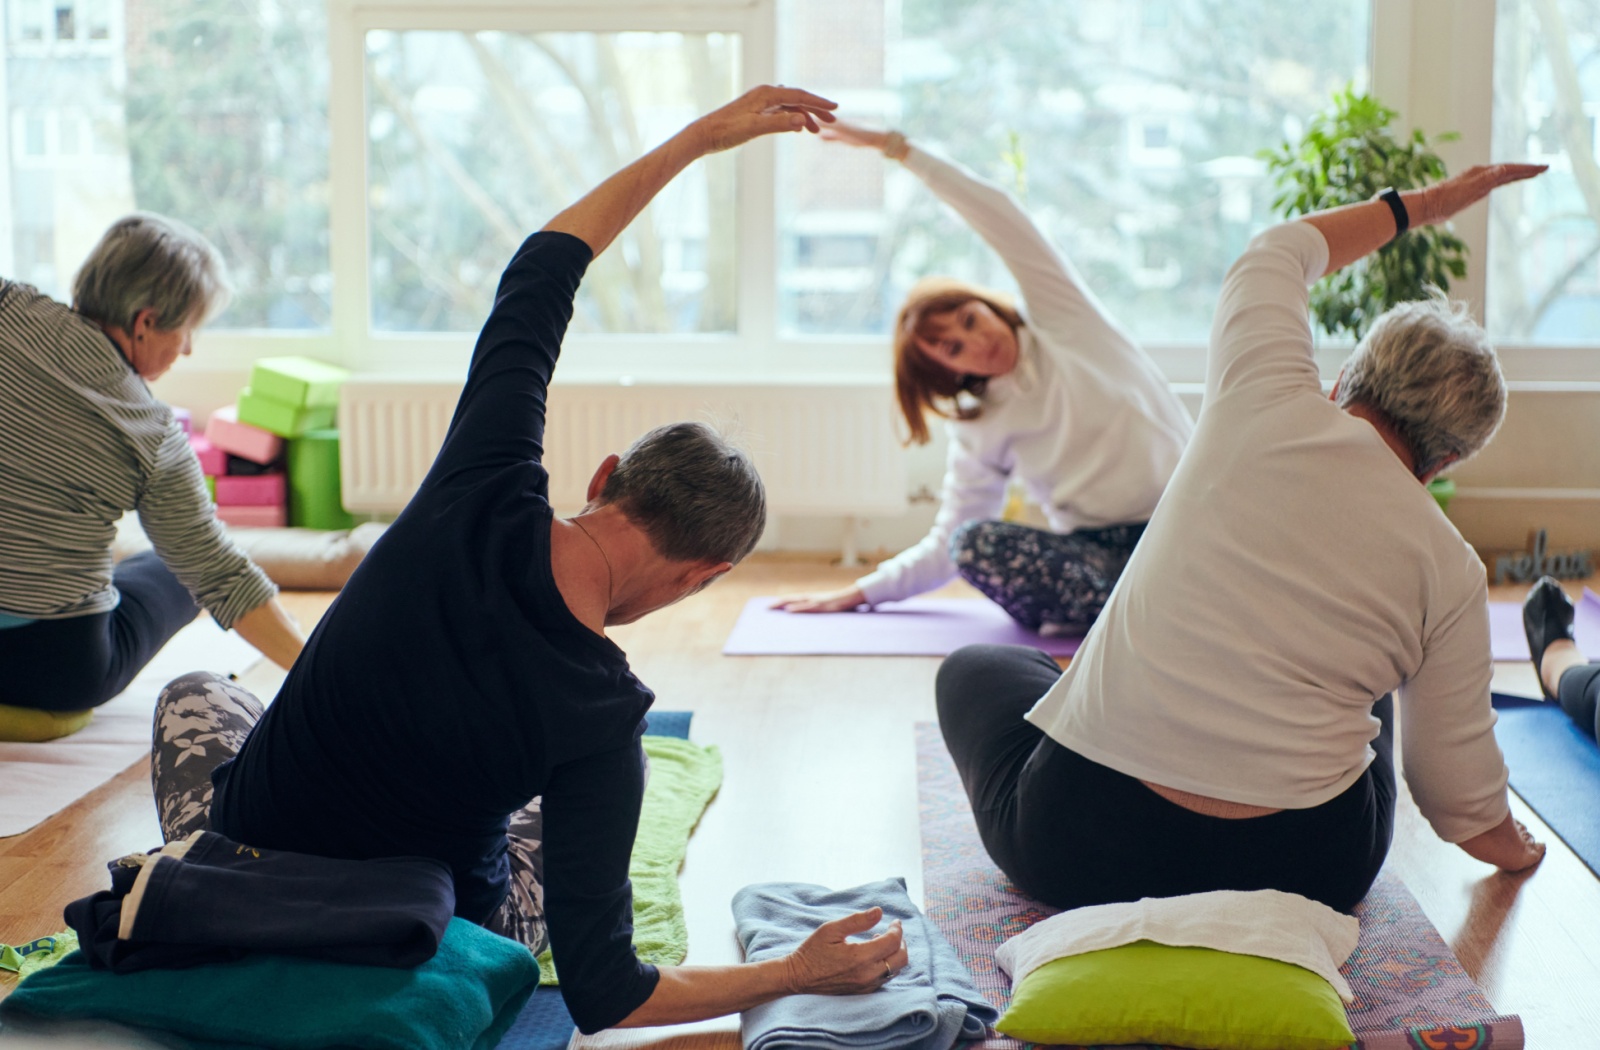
{"x":1266,"y":923}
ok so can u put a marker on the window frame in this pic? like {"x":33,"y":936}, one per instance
{"x":1432,"y":60}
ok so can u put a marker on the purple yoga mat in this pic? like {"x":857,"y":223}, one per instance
{"x":1411,"y":992}
{"x":1510,"y":642}
{"x":915,"y":627}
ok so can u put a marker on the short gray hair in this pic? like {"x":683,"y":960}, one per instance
{"x":696,"y":495}
{"x":1431,"y":371}
{"x":148,"y":261}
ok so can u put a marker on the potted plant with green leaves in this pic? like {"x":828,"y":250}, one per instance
{"x":1348,"y":154}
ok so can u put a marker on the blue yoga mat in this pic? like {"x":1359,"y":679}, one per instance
{"x":1555,"y":767}
{"x":544,"y":1023}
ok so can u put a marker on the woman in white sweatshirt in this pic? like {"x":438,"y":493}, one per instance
{"x":1051,"y":391}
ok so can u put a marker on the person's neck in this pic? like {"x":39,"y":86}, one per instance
{"x":604,"y":566}
{"x":1386,"y":429}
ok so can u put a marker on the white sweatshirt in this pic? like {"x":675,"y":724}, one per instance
{"x":1086,"y":420}
{"x":1295,"y":572}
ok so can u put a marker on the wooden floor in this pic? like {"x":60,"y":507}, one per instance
{"x":820,"y":786}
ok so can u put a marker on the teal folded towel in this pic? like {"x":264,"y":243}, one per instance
{"x":467,"y":995}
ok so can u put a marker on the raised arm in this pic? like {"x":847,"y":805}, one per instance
{"x":1357,"y":230}
{"x":610,"y":207}
{"x":1055,"y":293}
{"x":499,"y":419}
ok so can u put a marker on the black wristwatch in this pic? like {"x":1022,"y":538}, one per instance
{"x":1402,"y":218}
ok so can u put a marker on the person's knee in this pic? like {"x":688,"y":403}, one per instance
{"x":217,"y":693}
{"x":964,"y":673}
{"x":974,"y":542}
{"x":193,"y":684}
{"x":957,"y":668}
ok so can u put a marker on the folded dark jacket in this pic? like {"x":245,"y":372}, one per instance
{"x":210,"y":899}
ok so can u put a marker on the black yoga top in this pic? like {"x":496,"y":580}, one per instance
{"x":449,"y":684}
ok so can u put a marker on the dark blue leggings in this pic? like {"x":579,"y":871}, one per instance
{"x":1040,"y":577}
{"x":83,"y":661}
{"x":1579,"y":694}
{"x":1071,"y":832}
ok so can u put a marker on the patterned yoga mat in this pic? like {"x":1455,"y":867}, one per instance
{"x":1411,"y":993}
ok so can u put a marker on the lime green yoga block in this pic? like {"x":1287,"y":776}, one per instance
{"x":314,"y":497}
{"x":211,"y":487}
{"x":303,"y":382}
{"x":281,"y":418}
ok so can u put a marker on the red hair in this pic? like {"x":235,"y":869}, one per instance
{"x":923,"y":385}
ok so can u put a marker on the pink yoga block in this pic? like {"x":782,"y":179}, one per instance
{"x":212,"y":459}
{"x":251,"y":490}
{"x":253,"y":517}
{"x":225,"y":431}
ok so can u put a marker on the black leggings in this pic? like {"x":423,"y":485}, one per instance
{"x":83,"y":661}
{"x":1071,"y":832}
{"x":1579,"y":693}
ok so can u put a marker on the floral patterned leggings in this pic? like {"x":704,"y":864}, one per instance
{"x":1044,"y":580}
{"x":202,"y":720}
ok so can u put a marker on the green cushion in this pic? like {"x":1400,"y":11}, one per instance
{"x":30,"y":725}
{"x":466,"y":996}
{"x":1193,"y":997}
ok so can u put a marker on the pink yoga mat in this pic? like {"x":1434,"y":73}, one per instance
{"x":1510,"y":642}
{"x":914,"y":627}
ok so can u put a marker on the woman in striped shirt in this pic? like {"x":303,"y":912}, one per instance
{"x":85,"y":441}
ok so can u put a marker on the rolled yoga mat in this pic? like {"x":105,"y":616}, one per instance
{"x":914,"y":627}
{"x":1410,"y":990}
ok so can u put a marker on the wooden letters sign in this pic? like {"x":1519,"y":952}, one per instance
{"x":1529,"y":566}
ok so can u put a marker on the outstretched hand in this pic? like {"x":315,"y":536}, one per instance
{"x":1459,"y":192}
{"x":829,"y":963}
{"x":1509,"y":846}
{"x":844,"y":600}
{"x":761,"y":111}
{"x":854,"y":135}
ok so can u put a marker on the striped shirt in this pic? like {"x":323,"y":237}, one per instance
{"x":83,"y":440}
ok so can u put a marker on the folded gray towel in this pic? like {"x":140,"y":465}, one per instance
{"x":928,"y":1005}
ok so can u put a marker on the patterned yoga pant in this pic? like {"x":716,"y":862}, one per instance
{"x":202,"y":720}
{"x":1041,"y":577}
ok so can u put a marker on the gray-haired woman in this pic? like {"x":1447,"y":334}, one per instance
{"x":1228,"y":723}
{"x":85,"y":441}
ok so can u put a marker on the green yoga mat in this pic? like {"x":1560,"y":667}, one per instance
{"x":684,"y":777}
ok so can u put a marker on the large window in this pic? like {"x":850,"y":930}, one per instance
{"x":1544,"y":238}
{"x":367,"y":167}
{"x":211,"y":111}
{"x":1129,"y":128}
{"x":475,"y":139}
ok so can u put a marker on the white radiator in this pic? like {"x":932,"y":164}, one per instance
{"x":821,"y":448}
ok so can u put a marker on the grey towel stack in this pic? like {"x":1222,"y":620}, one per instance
{"x":928,"y":1005}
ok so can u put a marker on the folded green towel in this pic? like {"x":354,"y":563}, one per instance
{"x":684,"y":777}
{"x":465,"y":996}
{"x":39,"y":954}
